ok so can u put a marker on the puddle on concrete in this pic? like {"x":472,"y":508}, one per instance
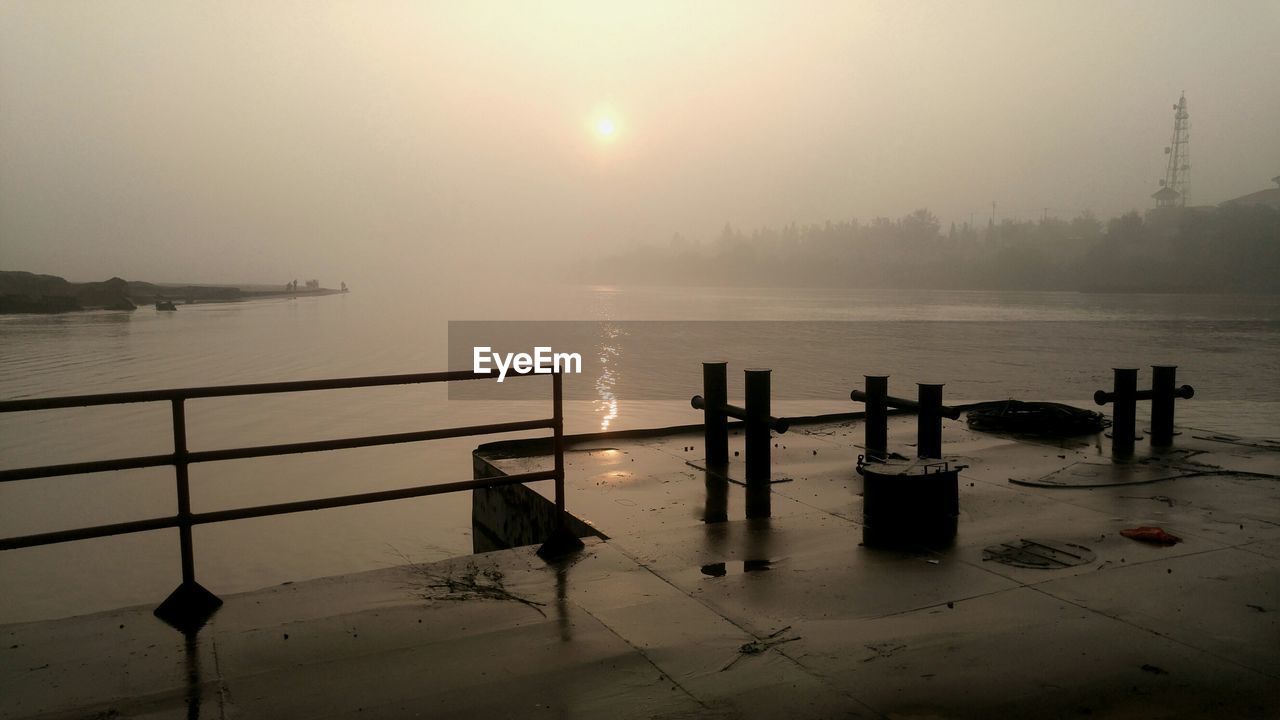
{"x":607,"y":452}
{"x":746,"y":566}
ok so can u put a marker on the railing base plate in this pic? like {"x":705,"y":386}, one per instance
{"x":188,"y":607}
{"x":561,"y":543}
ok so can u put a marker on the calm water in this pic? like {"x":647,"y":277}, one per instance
{"x":1051,"y":346}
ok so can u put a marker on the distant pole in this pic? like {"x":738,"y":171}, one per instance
{"x":993,"y":212}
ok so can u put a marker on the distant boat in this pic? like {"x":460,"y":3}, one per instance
{"x":166,"y":305}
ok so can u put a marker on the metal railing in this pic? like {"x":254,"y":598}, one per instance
{"x":182,"y":457}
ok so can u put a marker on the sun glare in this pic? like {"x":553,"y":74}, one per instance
{"x":605,"y":126}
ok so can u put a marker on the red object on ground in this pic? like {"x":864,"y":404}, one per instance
{"x":1153,"y":535}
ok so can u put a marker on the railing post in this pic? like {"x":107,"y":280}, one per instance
{"x":715,"y":424}
{"x":1124,"y":412}
{"x":757,"y":441}
{"x":557,"y":442}
{"x":180,"y":467}
{"x":189,"y":606}
{"x":562,"y":540}
{"x":876,"y":420}
{"x":929,"y":422}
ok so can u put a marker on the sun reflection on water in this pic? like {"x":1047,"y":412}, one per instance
{"x":607,"y":354}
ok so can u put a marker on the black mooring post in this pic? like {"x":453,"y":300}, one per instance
{"x":759,"y":501}
{"x":758,"y":450}
{"x":876,"y":420}
{"x":1162,"y":384}
{"x":758,"y":455}
{"x":1163,"y":392}
{"x":716,"y":509}
{"x":929,"y":422}
{"x":715,"y":424}
{"x":1124,"y":412}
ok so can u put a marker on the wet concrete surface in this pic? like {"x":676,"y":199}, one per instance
{"x":692,"y":610}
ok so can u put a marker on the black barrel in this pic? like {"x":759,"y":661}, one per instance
{"x":909,"y":504}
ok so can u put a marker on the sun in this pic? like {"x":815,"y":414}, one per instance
{"x":605,"y":125}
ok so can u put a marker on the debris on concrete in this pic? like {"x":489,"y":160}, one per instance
{"x":756,"y":647}
{"x":1039,"y":554}
{"x":470,"y":582}
{"x":1153,"y":535}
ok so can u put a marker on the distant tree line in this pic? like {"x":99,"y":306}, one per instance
{"x":1232,"y":248}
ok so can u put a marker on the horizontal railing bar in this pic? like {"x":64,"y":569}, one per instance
{"x":368,"y":441}
{"x":82,"y":468}
{"x":365,"y":498}
{"x":98,"y":531}
{"x":271,"y":450}
{"x":87,"y":533}
{"x":141,"y":396}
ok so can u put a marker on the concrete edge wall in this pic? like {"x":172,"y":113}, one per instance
{"x":513,"y":515}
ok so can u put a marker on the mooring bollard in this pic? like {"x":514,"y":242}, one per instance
{"x":1124,"y":413}
{"x":715,"y":430}
{"x":929,"y":422}
{"x":758,"y":453}
{"x":1124,"y":410}
{"x":1163,"y":393}
{"x":757,"y":422}
{"x":876,"y":432}
{"x":929,"y":409}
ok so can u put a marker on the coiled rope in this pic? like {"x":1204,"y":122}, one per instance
{"x":1044,"y":419}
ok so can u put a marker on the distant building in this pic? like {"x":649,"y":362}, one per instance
{"x":1167,"y":197}
{"x":1270,"y":196}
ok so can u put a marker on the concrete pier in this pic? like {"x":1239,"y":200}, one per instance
{"x":689,"y":609}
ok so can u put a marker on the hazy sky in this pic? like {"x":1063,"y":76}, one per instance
{"x":263,"y":141}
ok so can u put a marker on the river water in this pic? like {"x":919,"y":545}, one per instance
{"x":984,"y":345}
